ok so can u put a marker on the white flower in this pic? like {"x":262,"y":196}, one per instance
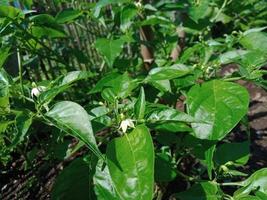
{"x":138,"y":4}
{"x":37,"y":90}
{"x":125,"y":124}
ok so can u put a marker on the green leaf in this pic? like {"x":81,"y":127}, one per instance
{"x":123,"y":85}
{"x":73,"y":76}
{"x":217,"y":106}
{"x":42,"y":31}
{"x":4,"y":90}
{"x":199,"y":148}
{"x":218,"y":16}
{"x":4,"y":125}
{"x":199,"y":9}
{"x":103,"y":184}
{"x":164,"y":168}
{"x":257,"y":181}
{"x":250,"y":64}
{"x":48,"y":95}
{"x":108,"y":95}
{"x":167,"y":119}
{"x":63,"y":83}
{"x":99,"y":111}
{"x":209,"y":160}
{"x":248,"y":197}
{"x":104,"y":82}
{"x":161,"y":85}
{"x":10,"y":12}
{"x":3,"y":84}
{"x":44,"y":20}
{"x":189,"y":52}
{"x":255,"y":41}
{"x":140,"y":105}
{"x":154,"y":20}
{"x":4,"y":2}
{"x":170,"y":6}
{"x":67,"y":16}
{"x":167,"y":114}
{"x":108,"y":2}
{"x":233,"y":172}
{"x":126,"y":16}
{"x":231,"y":56}
{"x":261,"y":195}
{"x":187,"y":80}
{"x":72,"y":182}
{"x":253,"y":60}
{"x":23,"y":123}
{"x":73,"y":119}
{"x":110,"y":49}
{"x":200,"y":191}
{"x":252,"y":30}
{"x":27,"y":3}
{"x":167,"y":73}
{"x":170,"y":126}
{"x":130,"y":161}
{"x":4,"y":53}
{"x":102,"y":3}
{"x":150,"y":7}
{"x":115,"y":86}
{"x":238,"y":153}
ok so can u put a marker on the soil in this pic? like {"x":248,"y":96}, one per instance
{"x":258,"y":123}
{"x":29,"y":185}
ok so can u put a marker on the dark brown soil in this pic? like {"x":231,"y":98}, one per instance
{"x":258,"y":123}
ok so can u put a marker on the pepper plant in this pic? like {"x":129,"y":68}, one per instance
{"x":157,"y":113}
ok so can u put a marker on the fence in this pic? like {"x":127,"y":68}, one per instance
{"x":76,"y":50}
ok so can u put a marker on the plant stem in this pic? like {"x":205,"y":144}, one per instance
{"x":231,"y":184}
{"x":219,"y":12}
{"x":228,"y":197}
{"x":20,"y":72}
{"x":116,"y":110}
{"x":189,"y":178}
{"x":233,"y":78}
